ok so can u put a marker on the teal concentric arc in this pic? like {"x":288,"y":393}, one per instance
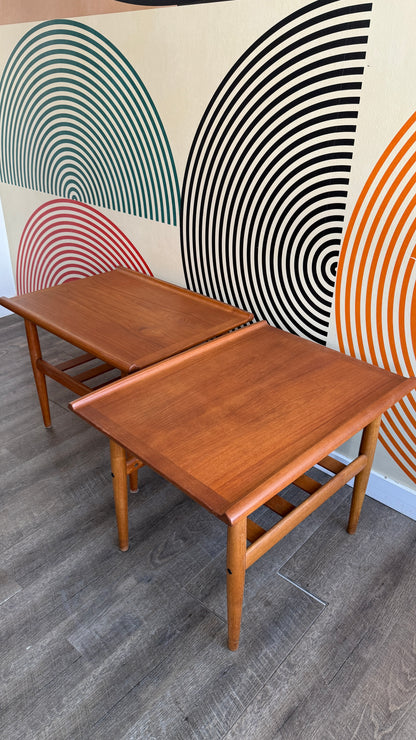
{"x":76,"y":121}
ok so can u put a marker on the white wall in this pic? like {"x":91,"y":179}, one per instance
{"x":7,"y":284}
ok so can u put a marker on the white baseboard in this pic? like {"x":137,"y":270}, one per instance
{"x":386,"y":491}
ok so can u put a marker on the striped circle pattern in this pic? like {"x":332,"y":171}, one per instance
{"x":266,"y":181}
{"x":64,"y":240}
{"x":375,"y":299}
{"x":76,"y":121}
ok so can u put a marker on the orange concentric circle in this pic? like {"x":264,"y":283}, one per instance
{"x":375,"y":301}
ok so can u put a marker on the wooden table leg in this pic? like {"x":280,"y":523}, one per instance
{"x":119,"y":471}
{"x":40,"y":380}
{"x":236,"y":572}
{"x":132,"y":473}
{"x":133,"y":467}
{"x":367,"y":448}
{"x":134,"y":481}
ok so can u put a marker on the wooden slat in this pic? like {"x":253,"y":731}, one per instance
{"x":97,"y":386}
{"x":73,"y":382}
{"x":280,"y":505}
{"x":289,"y":522}
{"x":93,"y":372}
{"x":329,"y":463}
{"x":254,"y":531}
{"x":53,"y":372}
{"x":307,"y":484}
{"x":75,"y":361}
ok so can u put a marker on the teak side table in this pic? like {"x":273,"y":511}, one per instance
{"x":235,"y":421}
{"x":127,"y":321}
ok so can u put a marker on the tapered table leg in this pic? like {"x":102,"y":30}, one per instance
{"x":133,"y":474}
{"x":119,"y":471}
{"x":236,"y":572}
{"x":40,"y":380}
{"x":368,"y":448}
{"x":134,"y":481}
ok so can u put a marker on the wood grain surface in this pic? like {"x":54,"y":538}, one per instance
{"x":235,"y":420}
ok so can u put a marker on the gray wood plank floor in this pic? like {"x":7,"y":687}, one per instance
{"x":98,"y":644}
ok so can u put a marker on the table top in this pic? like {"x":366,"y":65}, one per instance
{"x":125,"y":318}
{"x":236,"y":420}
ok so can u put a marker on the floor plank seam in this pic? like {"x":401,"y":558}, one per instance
{"x":7,"y":598}
{"x":348,"y":657}
{"x":332,"y":514}
{"x":123,"y":698}
{"x":304,"y":590}
{"x":204,"y":605}
{"x":63,"y":406}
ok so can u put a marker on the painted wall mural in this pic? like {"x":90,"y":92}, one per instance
{"x":64,"y":240}
{"x":267,"y":178}
{"x":22,"y":11}
{"x":376,"y":294}
{"x":76,"y":121}
{"x":244,"y":149}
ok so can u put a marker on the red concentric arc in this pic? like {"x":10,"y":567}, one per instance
{"x":64,"y":240}
{"x":375,"y":292}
